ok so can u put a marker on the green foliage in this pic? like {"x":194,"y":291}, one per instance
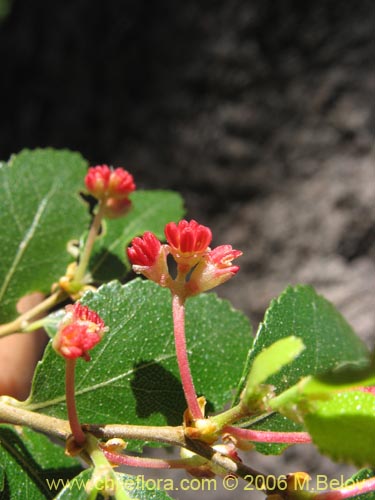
{"x":133,"y":375}
{"x":304,"y":350}
{"x":329,"y":344}
{"x":36,"y":188}
{"x":344,"y":427}
{"x":271,"y":360}
{"x":29,"y":462}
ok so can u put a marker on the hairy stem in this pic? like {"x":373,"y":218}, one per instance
{"x":75,"y":426}
{"x":269,"y":436}
{"x":91,"y":237}
{"x":149,"y":463}
{"x":366,"y":486}
{"x":182,"y":357}
{"x":22,"y":322}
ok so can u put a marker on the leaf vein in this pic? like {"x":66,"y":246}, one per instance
{"x":25,"y":242}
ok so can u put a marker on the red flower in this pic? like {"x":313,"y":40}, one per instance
{"x":214,"y":269}
{"x":104,"y":183}
{"x":149,"y":257}
{"x":145,"y":250}
{"x":121,"y":183}
{"x":80,"y":331}
{"x":188,"y":241}
{"x":97,"y":180}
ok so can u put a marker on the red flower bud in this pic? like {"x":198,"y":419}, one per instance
{"x":97,"y":180}
{"x":115,"y":207}
{"x":121,"y":184}
{"x":79,"y":331}
{"x":149,"y":257}
{"x":188,"y":241}
{"x":104,"y":183}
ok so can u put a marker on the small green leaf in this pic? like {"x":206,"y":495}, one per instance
{"x":41,"y":211}
{"x":133,"y":374}
{"x":52,"y":322}
{"x":151,"y":211}
{"x":344,"y":427}
{"x":329,"y":340}
{"x":337,"y":381}
{"x":138,"y":487}
{"x":30,"y":462}
{"x":323,"y":387}
{"x":271,"y":359}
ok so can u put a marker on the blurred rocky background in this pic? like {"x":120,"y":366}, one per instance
{"x":260,"y":112}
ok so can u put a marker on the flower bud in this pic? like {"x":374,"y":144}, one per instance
{"x":103,"y":182}
{"x":149,"y":257}
{"x":214,"y":269}
{"x":80,"y":330}
{"x":115,"y":207}
{"x":97,"y":180}
{"x":121,"y":184}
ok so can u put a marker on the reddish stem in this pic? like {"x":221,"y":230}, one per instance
{"x":149,"y":463}
{"x":351,"y":491}
{"x":75,"y":426}
{"x":182,"y":358}
{"x":269,"y":436}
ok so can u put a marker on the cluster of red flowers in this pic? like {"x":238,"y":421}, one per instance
{"x":111,"y":187}
{"x":198,"y":267}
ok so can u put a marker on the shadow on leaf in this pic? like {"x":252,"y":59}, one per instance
{"x":107,"y":266}
{"x":157,"y":390}
{"x":37,"y":474}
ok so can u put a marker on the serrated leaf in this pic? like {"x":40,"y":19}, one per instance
{"x":344,"y":427}
{"x":329,"y":340}
{"x":133,"y":375}
{"x":30,"y":461}
{"x":151,"y":211}
{"x":271,"y":359}
{"x":137,"y":487}
{"x":40,"y":212}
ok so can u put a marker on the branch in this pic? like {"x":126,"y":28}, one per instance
{"x":21,"y":323}
{"x":173,"y":436}
{"x":17,"y":416}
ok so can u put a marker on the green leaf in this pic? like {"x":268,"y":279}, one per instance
{"x":271,"y":359}
{"x":329,"y":340}
{"x":52,"y":321}
{"x":133,"y":375}
{"x":323,"y":387}
{"x":151,"y":211}
{"x":30,"y":461}
{"x":344,"y":427}
{"x":41,"y":211}
{"x":337,"y":381}
{"x":362,"y":475}
{"x":137,"y":487}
